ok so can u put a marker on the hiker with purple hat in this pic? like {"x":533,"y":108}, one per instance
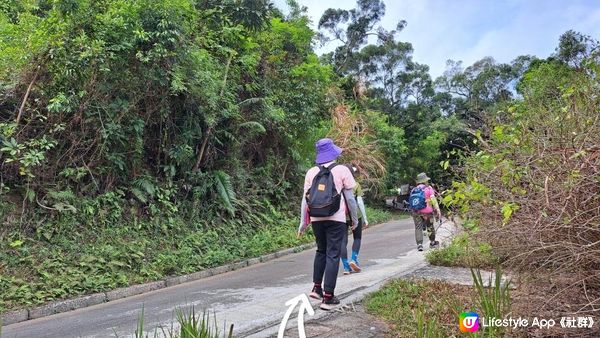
{"x":327,"y":194}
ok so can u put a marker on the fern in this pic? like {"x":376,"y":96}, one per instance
{"x":223,"y":136}
{"x":63,"y":195}
{"x":253,"y":101}
{"x":253,"y":127}
{"x":143,"y":189}
{"x":145,"y":184}
{"x":225,"y":190}
{"x":140,"y":195}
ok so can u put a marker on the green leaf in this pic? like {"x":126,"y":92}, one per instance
{"x":139,"y":195}
{"x":16,"y":244}
{"x":62,"y":207}
{"x":30,"y":195}
{"x":507,"y":211}
{"x":225,"y":190}
{"x":254,"y":126}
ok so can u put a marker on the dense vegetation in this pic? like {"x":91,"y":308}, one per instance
{"x":533,"y":188}
{"x":146,"y":138}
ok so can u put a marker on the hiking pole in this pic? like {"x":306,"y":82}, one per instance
{"x":439,"y":224}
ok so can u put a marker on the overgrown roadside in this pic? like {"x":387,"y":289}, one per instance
{"x":421,"y":308}
{"x":430,"y":301}
{"x":530,"y":194}
{"x":35,"y":272}
{"x":534,"y":295}
{"x":464,"y":251}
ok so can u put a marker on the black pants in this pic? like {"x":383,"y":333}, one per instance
{"x":329,"y":236}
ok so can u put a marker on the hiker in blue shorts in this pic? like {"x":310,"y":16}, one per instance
{"x":353,"y":265}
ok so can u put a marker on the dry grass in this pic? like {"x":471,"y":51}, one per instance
{"x":545,"y":165}
{"x":352,"y":133}
{"x":539,"y":295}
{"x":401,"y":302}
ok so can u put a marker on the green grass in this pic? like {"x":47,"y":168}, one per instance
{"x":421,"y":308}
{"x":493,"y":301}
{"x":80,"y":262}
{"x":430,"y":309}
{"x":195,"y":326}
{"x":377,"y":215}
{"x":190,"y":325}
{"x":463,"y":251}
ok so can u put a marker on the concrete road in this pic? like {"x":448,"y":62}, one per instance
{"x":252,"y":298}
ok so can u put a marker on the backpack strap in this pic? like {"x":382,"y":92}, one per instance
{"x":322,"y":167}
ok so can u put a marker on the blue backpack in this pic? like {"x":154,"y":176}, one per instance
{"x":417,"y":200}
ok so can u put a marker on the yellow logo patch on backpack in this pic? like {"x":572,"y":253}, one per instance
{"x":321,"y":187}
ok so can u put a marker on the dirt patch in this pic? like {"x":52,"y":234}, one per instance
{"x":349,"y":321}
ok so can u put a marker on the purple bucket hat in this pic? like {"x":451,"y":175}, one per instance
{"x":327,"y":151}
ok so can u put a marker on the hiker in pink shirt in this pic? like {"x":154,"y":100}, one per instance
{"x":327,"y":194}
{"x":423,"y":204}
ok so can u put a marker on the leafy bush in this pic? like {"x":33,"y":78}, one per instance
{"x":144,"y":107}
{"x":463,"y":251}
{"x":533,"y":187}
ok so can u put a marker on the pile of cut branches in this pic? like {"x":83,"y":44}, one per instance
{"x":352,"y":133}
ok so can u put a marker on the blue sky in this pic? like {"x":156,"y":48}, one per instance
{"x":469,"y":30}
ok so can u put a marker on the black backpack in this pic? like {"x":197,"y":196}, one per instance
{"x":323,"y":198}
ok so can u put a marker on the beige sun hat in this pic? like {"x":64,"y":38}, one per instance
{"x":422,"y":178}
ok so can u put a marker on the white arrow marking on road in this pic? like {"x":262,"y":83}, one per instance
{"x":591,"y":321}
{"x":304,"y":305}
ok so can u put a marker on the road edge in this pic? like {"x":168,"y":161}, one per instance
{"x":65,"y":305}
{"x":60,"y":306}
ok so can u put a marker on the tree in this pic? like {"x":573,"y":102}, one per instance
{"x":161,"y":103}
{"x":480,"y":86}
{"x":352,"y":29}
{"x":574,"y":47}
{"x":252,"y":14}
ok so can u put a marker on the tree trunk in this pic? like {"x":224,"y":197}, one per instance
{"x":26,"y":96}
{"x":210,"y":129}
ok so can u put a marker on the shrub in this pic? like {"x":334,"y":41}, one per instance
{"x":463,"y":251}
{"x":534,"y":187}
